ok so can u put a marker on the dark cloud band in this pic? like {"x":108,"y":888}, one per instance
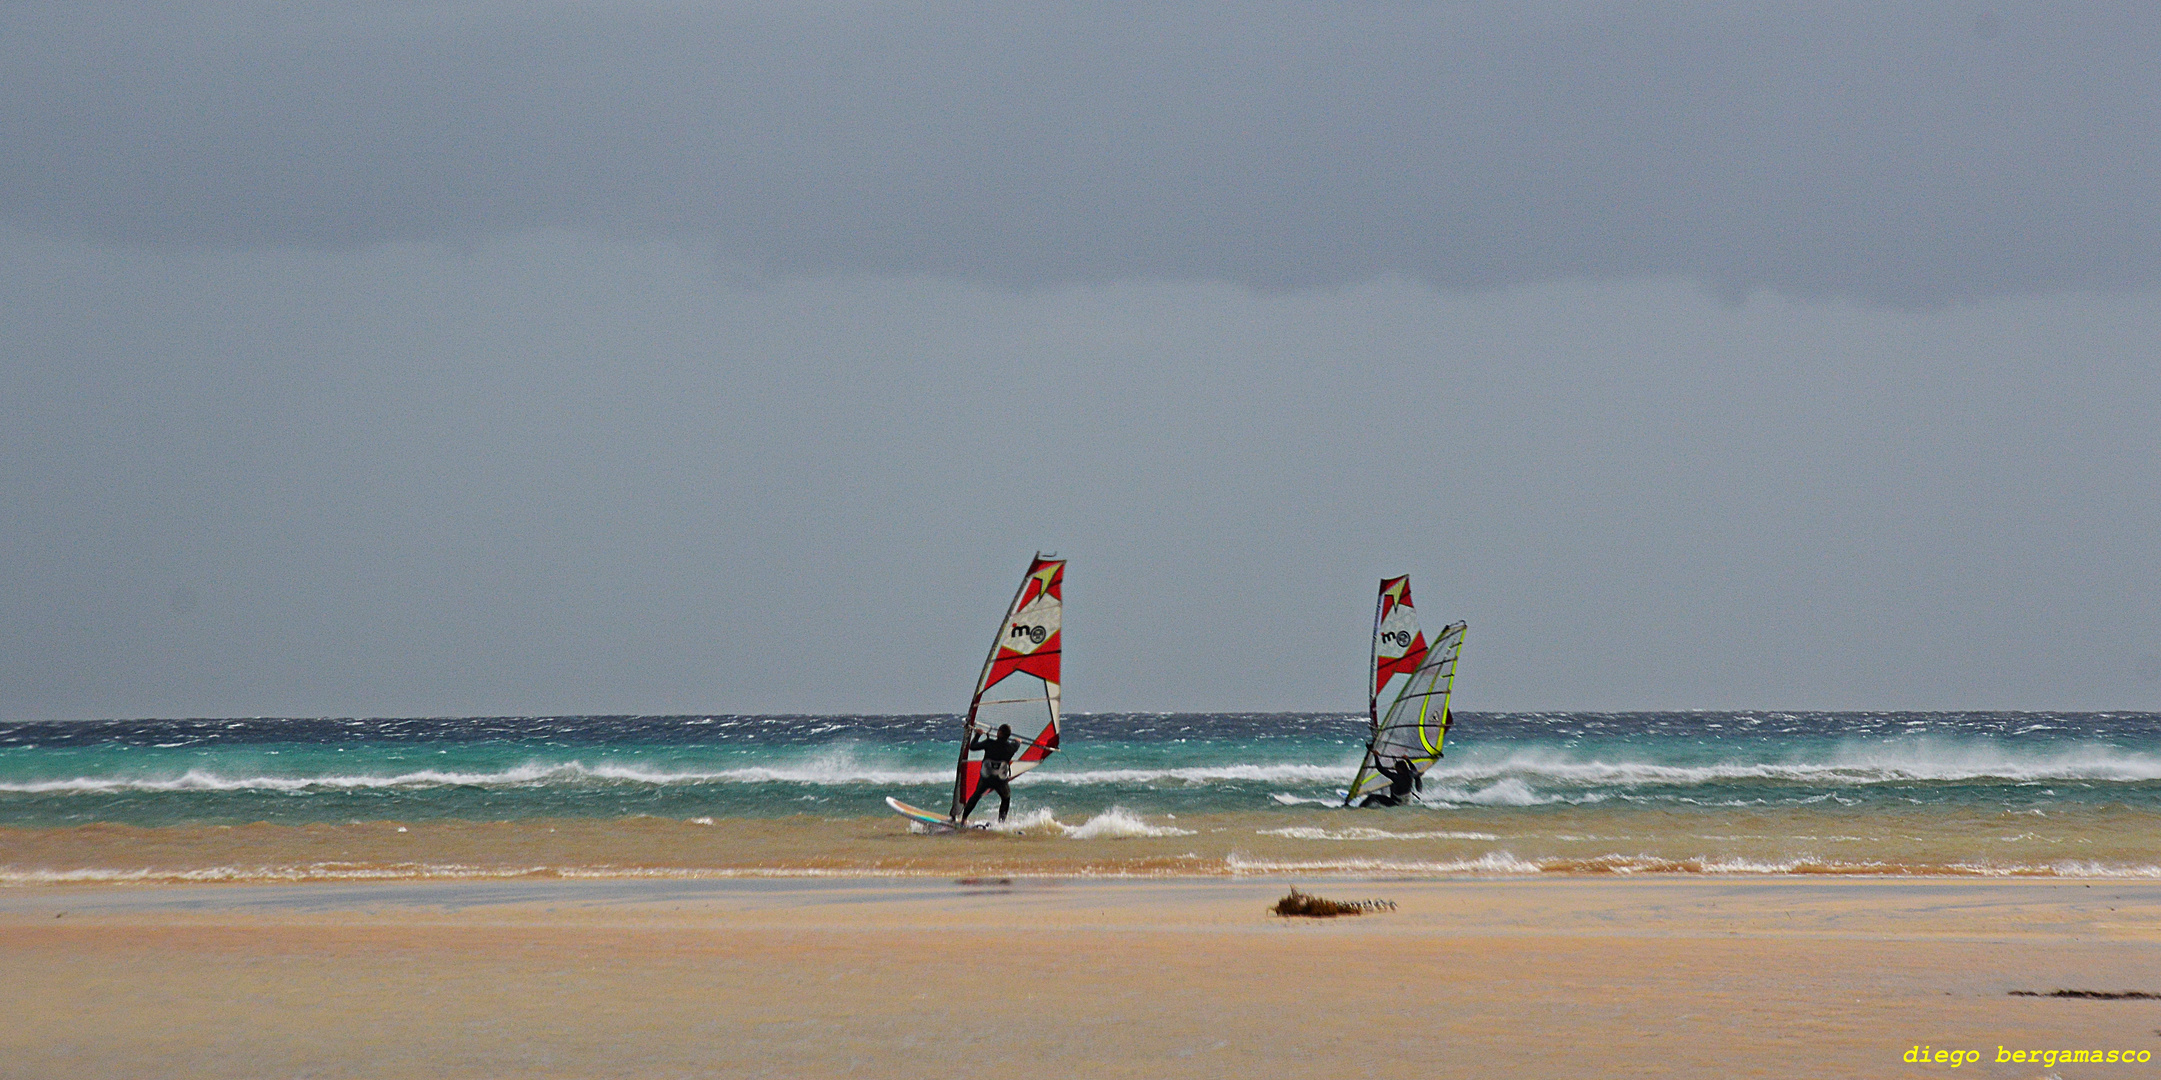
{"x":1909,"y":157}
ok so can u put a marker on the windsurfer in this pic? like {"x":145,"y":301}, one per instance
{"x":998,"y":756}
{"x":1403,"y":779}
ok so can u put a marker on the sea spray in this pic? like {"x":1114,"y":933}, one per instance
{"x":1120,"y":822}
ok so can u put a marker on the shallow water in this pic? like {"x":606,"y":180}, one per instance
{"x":1935,"y":793}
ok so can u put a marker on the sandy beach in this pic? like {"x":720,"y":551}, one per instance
{"x":1554,"y":976}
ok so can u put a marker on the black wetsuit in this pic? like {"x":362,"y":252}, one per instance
{"x":998,"y":757}
{"x":1402,"y":780}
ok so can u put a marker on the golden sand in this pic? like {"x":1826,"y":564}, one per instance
{"x":1544,"y":977}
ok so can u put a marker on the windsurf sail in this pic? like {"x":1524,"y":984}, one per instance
{"x":1419,"y":676}
{"x":1019,"y":683}
{"x":1398,"y":646}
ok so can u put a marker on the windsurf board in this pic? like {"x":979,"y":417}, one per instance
{"x":935,"y":821}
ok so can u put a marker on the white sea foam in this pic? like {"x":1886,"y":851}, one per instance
{"x":1737,"y":865}
{"x":1041,"y":819}
{"x":2077,"y":868}
{"x":1284,"y":798}
{"x":310,"y":872}
{"x":1114,"y":823}
{"x":1119,"y":822}
{"x":1488,"y":775}
{"x":1234,"y":865}
{"x":1202,"y":774}
{"x":2070,"y":868}
{"x":831,"y":770}
{"x":1497,"y":862}
{"x":1308,"y":832}
{"x":1508,"y":791}
{"x":1904,"y":760}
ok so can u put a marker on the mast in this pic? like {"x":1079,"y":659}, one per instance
{"x":1373,"y":666}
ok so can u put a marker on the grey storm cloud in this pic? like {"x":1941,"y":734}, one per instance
{"x":1898,"y":154}
{"x":467,"y":359}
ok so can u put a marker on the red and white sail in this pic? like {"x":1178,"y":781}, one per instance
{"x":1399,"y":646}
{"x":1019,"y":683}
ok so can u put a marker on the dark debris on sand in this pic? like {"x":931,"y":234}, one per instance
{"x":2095,"y":995}
{"x":1314,"y":907}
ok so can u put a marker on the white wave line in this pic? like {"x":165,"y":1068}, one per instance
{"x":822,"y":773}
{"x":522,"y":776}
{"x":2121,"y":768}
{"x":1202,"y":774}
{"x":1310,"y":832}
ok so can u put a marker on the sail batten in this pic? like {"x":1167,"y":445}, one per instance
{"x":1023,"y":669}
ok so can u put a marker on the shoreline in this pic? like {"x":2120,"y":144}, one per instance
{"x":424,"y":875}
{"x":2084,"y":913}
{"x":1428,"y":844}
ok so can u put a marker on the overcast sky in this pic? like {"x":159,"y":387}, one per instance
{"x":366,"y":359}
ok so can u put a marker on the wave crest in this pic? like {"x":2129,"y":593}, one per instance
{"x":1849,"y":764}
{"x":1119,"y":822}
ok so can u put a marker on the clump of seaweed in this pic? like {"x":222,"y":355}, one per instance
{"x":1314,"y":907}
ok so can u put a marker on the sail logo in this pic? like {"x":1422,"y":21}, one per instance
{"x":1035,"y":634}
{"x":1399,"y":638}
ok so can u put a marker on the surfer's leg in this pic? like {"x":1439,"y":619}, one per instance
{"x":972,"y":800}
{"x":1005,"y":798}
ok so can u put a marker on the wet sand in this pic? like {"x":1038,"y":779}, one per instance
{"x":1556,"y":976}
{"x":2088,"y":843}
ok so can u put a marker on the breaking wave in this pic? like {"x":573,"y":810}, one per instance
{"x":1508,"y":791}
{"x":1482,"y":775}
{"x":1285,"y":798}
{"x":567,"y":773}
{"x":1114,"y":823}
{"x":1119,"y":822}
{"x":1333,"y":772}
{"x":838,"y":769}
{"x":1497,"y":862}
{"x":1308,"y":832}
{"x":1899,"y":761}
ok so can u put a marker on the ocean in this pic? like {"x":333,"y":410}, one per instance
{"x":2040,"y":794}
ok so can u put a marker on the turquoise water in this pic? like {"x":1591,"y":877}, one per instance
{"x":167,"y":772}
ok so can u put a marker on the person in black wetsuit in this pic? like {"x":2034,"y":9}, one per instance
{"x":998,"y":756}
{"x":1403,"y":779}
